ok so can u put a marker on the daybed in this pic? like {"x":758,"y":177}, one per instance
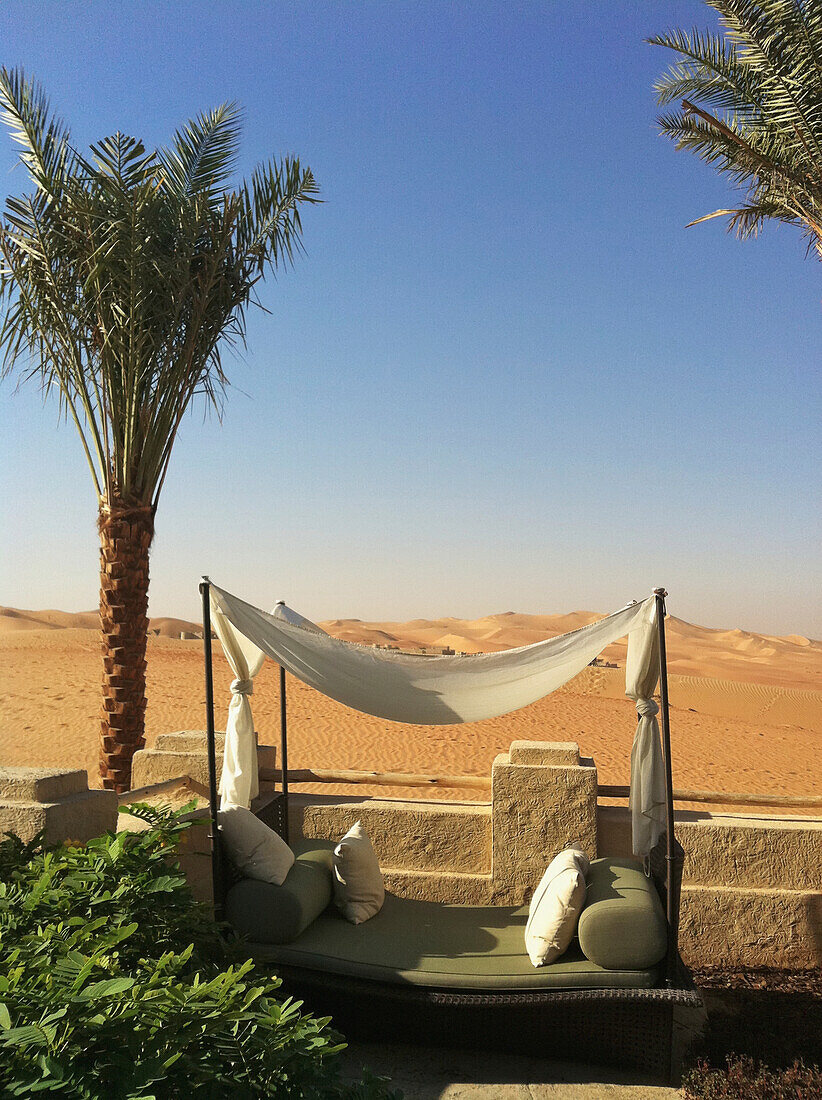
{"x":460,"y":974}
{"x":601,"y":1001}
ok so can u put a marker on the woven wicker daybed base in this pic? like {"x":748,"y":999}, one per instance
{"x":629,"y":1028}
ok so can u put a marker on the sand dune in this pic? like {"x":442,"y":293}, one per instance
{"x":744,"y":716}
{"x":13,"y":619}
{"x":739,"y":655}
{"x":793,"y":661}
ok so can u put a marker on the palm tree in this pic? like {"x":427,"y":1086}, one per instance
{"x":752,"y":108}
{"x":125,"y":273}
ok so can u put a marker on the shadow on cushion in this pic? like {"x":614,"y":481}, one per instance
{"x":278,"y":914}
{"x":622,"y":926}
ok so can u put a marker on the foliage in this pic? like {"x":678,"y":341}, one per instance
{"x":125,"y":271}
{"x":764,"y":1038}
{"x":744,"y":1079}
{"x":115,"y":983}
{"x":752,"y":108}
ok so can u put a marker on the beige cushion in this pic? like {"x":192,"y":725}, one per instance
{"x":358,"y":886}
{"x":254,"y":849}
{"x":555,"y":907}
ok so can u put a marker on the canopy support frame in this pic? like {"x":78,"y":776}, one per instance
{"x":217,"y":879}
{"x":283,"y":748}
{"x":284,"y":755}
{"x":671,"y":856}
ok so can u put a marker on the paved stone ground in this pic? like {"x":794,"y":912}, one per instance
{"x":436,"y":1074}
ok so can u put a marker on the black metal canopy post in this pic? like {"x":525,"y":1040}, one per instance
{"x":283,"y":747}
{"x":672,"y":898}
{"x":284,"y":753}
{"x":214,"y":835}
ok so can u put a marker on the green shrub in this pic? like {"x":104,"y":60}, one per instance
{"x":114,"y":983}
{"x":744,"y":1079}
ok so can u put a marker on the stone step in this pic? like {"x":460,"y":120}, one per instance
{"x":40,"y":784}
{"x":55,"y":800}
{"x":446,"y":887}
{"x":188,"y":741}
{"x":155,"y":766}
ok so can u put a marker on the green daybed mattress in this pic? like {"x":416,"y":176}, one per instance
{"x":458,"y":947}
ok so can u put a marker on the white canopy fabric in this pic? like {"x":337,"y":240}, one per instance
{"x":437,"y":690}
{"x":647,"y":798}
{"x":239,"y":782}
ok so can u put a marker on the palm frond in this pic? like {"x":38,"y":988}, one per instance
{"x":44,"y":139}
{"x":204,"y":152}
{"x":708,"y":68}
{"x":269,"y":226}
{"x":765,"y":35}
{"x":752,"y":107}
{"x":121,"y":286}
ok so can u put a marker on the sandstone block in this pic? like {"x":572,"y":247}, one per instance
{"x":40,"y":784}
{"x":732,"y":850}
{"x":614,"y":831}
{"x":195,"y":857}
{"x":743,"y":927}
{"x":414,"y":836}
{"x":56,"y":801}
{"x":156,"y":765}
{"x":188,"y":741}
{"x":536,"y":812}
{"x":446,"y":887}
{"x":544,"y":752}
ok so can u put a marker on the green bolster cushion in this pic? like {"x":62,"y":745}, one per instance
{"x":622,"y":926}
{"x":267,"y":913}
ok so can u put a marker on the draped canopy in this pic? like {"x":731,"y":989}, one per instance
{"x":437,"y":690}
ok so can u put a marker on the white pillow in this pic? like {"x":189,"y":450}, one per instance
{"x":358,"y":887}
{"x":555,"y":907}
{"x":255,"y":850}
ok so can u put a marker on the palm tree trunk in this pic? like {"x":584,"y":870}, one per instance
{"x":125,"y":540}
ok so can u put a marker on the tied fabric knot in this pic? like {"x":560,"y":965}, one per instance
{"x":242,"y":687}
{"x":646,"y":708}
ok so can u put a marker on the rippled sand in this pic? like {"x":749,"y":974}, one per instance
{"x":744,"y":715}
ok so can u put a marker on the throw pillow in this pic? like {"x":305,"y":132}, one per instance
{"x":555,"y":907}
{"x":358,"y":887}
{"x":254,"y":849}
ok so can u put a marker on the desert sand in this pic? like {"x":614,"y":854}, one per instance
{"x":746,"y":707}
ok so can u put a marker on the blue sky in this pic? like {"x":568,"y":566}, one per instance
{"x":504,"y":377}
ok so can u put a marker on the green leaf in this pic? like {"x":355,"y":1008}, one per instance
{"x":107,"y":988}
{"x":163,"y":884}
{"x":24,"y":1036}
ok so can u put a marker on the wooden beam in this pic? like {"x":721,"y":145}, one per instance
{"x":379,"y":779}
{"x":723,"y":798}
{"x":481,"y":783}
{"x":749,"y":799}
{"x":127,"y":797}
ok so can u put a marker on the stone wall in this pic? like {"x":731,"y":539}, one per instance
{"x":752,"y":885}
{"x":543,"y":798}
{"x":56,"y":800}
